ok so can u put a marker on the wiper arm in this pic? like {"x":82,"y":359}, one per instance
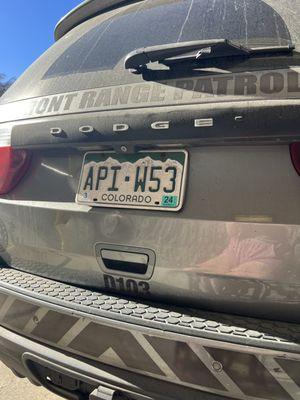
{"x":194,"y":51}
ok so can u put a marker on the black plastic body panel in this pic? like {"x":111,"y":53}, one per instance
{"x":141,"y":344}
{"x":232,"y":122}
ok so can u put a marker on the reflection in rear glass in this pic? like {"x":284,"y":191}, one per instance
{"x":248,"y":22}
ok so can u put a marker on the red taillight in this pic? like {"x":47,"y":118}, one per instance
{"x":295,"y":155}
{"x":13,"y":165}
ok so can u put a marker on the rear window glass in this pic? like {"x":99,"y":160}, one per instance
{"x":251,"y":23}
{"x":92,"y":54}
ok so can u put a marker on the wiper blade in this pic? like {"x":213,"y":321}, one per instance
{"x":194,"y":51}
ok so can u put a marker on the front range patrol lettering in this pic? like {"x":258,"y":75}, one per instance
{"x":135,"y":94}
{"x":283,"y":84}
{"x":53,"y":104}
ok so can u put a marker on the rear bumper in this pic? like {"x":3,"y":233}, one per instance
{"x":20,"y":354}
{"x":145,"y":350}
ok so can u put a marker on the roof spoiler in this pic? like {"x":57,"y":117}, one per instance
{"x":83,"y":12}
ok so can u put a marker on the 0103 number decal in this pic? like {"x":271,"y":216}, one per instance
{"x":130,"y":286}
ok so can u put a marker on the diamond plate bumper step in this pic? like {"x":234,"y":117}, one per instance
{"x":231,"y":356}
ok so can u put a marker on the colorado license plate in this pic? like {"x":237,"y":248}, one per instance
{"x":147,"y":180}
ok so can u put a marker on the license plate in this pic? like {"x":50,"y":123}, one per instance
{"x":147,"y":180}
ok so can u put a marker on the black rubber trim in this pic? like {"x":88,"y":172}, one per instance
{"x":260,"y":333}
{"x":16,"y":350}
{"x":272,"y":122}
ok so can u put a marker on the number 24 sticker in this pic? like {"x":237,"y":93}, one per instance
{"x":169,"y":201}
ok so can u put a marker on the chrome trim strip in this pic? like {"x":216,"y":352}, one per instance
{"x":49,"y":205}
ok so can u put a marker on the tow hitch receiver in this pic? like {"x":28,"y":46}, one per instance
{"x":104,"y":393}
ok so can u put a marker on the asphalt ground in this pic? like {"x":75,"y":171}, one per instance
{"x":13,"y":388}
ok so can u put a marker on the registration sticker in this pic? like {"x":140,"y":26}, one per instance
{"x":148,"y":180}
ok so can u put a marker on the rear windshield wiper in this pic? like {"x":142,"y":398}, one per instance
{"x":195,"y":52}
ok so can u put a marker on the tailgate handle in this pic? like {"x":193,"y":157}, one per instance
{"x":122,"y":261}
{"x":131,"y":261}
